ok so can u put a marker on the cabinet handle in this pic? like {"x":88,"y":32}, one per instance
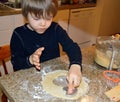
{"x":75,"y":11}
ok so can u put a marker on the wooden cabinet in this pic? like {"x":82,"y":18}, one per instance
{"x":81,"y":25}
{"x":18,"y":20}
{"x":7,"y":25}
{"x":108,"y":17}
{"x":83,"y":19}
{"x":62,"y":18}
{"x":6,"y":22}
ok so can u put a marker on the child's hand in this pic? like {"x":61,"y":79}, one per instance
{"x":35,"y":58}
{"x":74,"y":77}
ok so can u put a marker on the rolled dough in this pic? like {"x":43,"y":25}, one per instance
{"x":57,"y":91}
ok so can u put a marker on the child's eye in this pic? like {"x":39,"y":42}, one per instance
{"x":49,"y":18}
{"x":36,"y":18}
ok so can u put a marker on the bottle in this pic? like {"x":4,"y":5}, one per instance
{"x":75,"y":1}
{"x":71,"y":1}
{"x":82,"y":1}
{"x":59,"y":2}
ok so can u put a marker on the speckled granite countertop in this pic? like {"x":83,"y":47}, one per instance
{"x":8,"y":11}
{"x":18,"y":86}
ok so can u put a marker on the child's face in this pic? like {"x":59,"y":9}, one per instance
{"x":39,"y":25}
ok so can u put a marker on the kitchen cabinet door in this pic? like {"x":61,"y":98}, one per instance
{"x":62,"y":18}
{"x":5,"y":36}
{"x":83,"y":19}
{"x":18,"y":20}
{"x":6,"y":28}
{"x":108,"y":17}
{"x":7,"y":25}
{"x":81,"y":25}
{"x":6,"y":22}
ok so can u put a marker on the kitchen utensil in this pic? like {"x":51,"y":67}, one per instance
{"x":107,"y":52}
{"x":113,"y":55}
{"x":74,"y":91}
{"x":112,"y":78}
{"x":62,"y":81}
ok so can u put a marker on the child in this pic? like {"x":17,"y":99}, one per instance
{"x":38,"y":40}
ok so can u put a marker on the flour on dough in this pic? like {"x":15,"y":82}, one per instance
{"x":57,"y":91}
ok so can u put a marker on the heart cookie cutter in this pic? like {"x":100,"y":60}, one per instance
{"x":112,"y":77}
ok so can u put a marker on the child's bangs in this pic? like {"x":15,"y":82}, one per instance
{"x":42,"y":14}
{"x":42,"y":10}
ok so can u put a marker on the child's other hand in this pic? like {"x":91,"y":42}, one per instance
{"x":35,"y":58}
{"x":74,"y":77}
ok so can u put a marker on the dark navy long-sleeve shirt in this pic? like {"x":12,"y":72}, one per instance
{"x":25,"y":42}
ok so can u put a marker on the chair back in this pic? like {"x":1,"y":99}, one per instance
{"x":4,"y":54}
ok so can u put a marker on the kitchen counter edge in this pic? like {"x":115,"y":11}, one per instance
{"x":62,"y":7}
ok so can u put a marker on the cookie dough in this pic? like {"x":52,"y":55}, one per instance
{"x":57,"y":91}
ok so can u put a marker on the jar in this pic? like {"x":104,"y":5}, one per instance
{"x":59,"y":2}
{"x":75,"y":1}
{"x":64,"y":1}
{"x":108,"y":52}
{"x":70,"y":1}
{"x":82,"y":1}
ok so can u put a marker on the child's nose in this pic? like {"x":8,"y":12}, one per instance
{"x":42,"y":22}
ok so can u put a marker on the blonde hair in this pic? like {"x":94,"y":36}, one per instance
{"x":40,"y":8}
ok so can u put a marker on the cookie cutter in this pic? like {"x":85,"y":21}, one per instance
{"x":112,"y":78}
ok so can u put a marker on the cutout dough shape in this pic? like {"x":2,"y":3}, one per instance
{"x":57,"y":91}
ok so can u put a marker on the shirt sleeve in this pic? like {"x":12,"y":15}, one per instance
{"x":18,"y":59}
{"x":69,"y":46}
